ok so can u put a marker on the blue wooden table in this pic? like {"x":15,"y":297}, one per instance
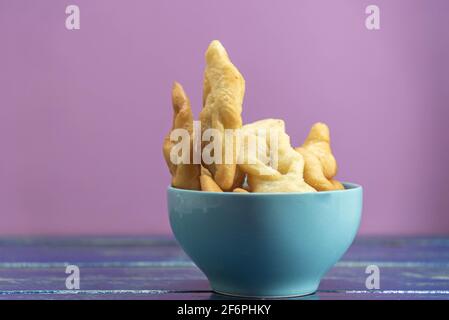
{"x":156,"y":268}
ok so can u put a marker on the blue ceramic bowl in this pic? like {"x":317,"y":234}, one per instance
{"x":265,"y":244}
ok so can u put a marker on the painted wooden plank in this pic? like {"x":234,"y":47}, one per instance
{"x":90,"y":250}
{"x":339,"y":279}
{"x":159,"y":250}
{"x":156,"y":268}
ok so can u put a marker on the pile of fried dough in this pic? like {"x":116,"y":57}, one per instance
{"x":308,"y":168}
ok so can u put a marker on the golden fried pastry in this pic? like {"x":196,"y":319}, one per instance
{"x":261,"y":151}
{"x":285,"y":174}
{"x":224,"y":88}
{"x":207,"y":182}
{"x":337,"y":184}
{"x":263,"y":132}
{"x":184,"y":175}
{"x":290,"y":181}
{"x":320,"y":165}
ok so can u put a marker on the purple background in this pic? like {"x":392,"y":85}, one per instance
{"x":83,"y":113}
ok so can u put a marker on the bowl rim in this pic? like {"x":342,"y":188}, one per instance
{"x":349,"y":187}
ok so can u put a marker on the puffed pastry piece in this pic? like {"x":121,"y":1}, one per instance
{"x":207,"y":182}
{"x":291,"y":181}
{"x":320,"y":165}
{"x":223,"y":92}
{"x":184,"y":176}
{"x":263,"y":176}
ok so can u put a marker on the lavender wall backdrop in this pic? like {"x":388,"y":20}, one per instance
{"x":83,"y":113}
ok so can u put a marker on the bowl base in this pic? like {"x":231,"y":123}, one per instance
{"x":265,"y":297}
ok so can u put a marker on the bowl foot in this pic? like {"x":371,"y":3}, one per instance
{"x":295,"y":295}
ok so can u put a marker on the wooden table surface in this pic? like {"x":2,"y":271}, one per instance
{"x":156,"y":268}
